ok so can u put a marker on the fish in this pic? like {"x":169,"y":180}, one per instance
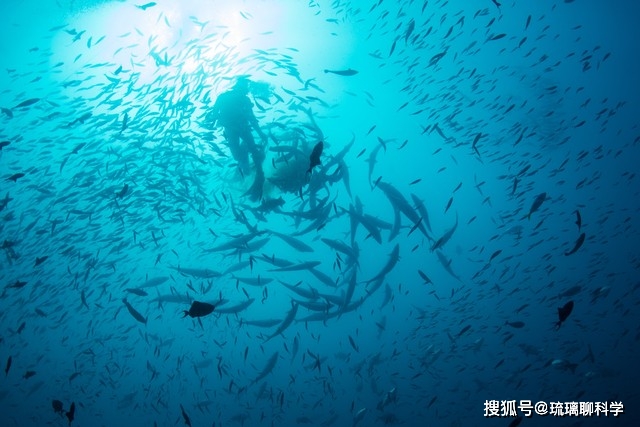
{"x":4,"y":144}
{"x":268,"y":367}
{"x":314,"y":158}
{"x":426,"y":279}
{"x":236,"y":308}
{"x":497,"y":37}
{"x":71,"y":412}
{"x":57,"y":407}
{"x":200,"y":273}
{"x":308,"y":265}
{"x":293,"y":242}
{"x":574,"y":290}
{"x":359,"y":416}
{"x":136,"y":315}
{"x":187,"y":421}
{"x":540,"y":198}
{"x":125,"y":122}
{"x":353,"y":344}
{"x":18,"y":284}
{"x":26,"y":103}
{"x":577,"y":246}
{"x":445,"y":237}
{"x":410,"y":28}
{"x":475,"y":142}
{"x":578,"y":220}
{"x":40,"y":260}
{"x":563,"y":313}
{"x":146,"y":5}
{"x":389,"y":397}
{"x":286,"y":322}
{"x":308,"y":293}
{"x":565,"y":365}
{"x":137,"y":291}
{"x":7,"y":366}
{"x":348,"y":72}
{"x":446,"y":263}
{"x":253,"y":281}
{"x":199,"y":309}
{"x":123,"y":192}
{"x":448,"y":205}
{"x":15,"y":177}
{"x":420,"y":207}
{"x":518,"y":324}
{"x":435,"y":59}
{"x":463,"y":330}
{"x":415,"y":226}
{"x":394,"y":256}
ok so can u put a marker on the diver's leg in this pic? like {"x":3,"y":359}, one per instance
{"x":239,"y":155}
{"x":255,"y":192}
{"x":257,"y":153}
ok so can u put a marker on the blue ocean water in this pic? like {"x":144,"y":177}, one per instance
{"x":468,"y":239}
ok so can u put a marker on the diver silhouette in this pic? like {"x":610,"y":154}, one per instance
{"x":233,"y":110}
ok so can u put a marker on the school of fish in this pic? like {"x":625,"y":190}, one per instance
{"x":436,"y":228}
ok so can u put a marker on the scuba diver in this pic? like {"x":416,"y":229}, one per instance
{"x":233,"y":110}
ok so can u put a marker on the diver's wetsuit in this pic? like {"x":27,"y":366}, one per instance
{"x":234,"y":111}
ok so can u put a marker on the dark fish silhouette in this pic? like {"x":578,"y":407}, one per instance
{"x":136,"y":315}
{"x":27,"y":103}
{"x":410,"y":28}
{"x":125,"y":121}
{"x":57,"y":407}
{"x":348,"y":72}
{"x":15,"y":177}
{"x":146,"y":5}
{"x":123,"y":192}
{"x":6,"y":369}
{"x":517,"y":324}
{"x":497,"y":37}
{"x":314,"y":158}
{"x":187,"y":421}
{"x":71,"y":413}
{"x":578,"y":220}
{"x":4,"y":144}
{"x":563,"y":313}
{"x":577,"y":246}
{"x":540,"y":198}
{"x":199,"y":309}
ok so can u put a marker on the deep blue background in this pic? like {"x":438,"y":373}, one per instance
{"x":570,"y":90}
